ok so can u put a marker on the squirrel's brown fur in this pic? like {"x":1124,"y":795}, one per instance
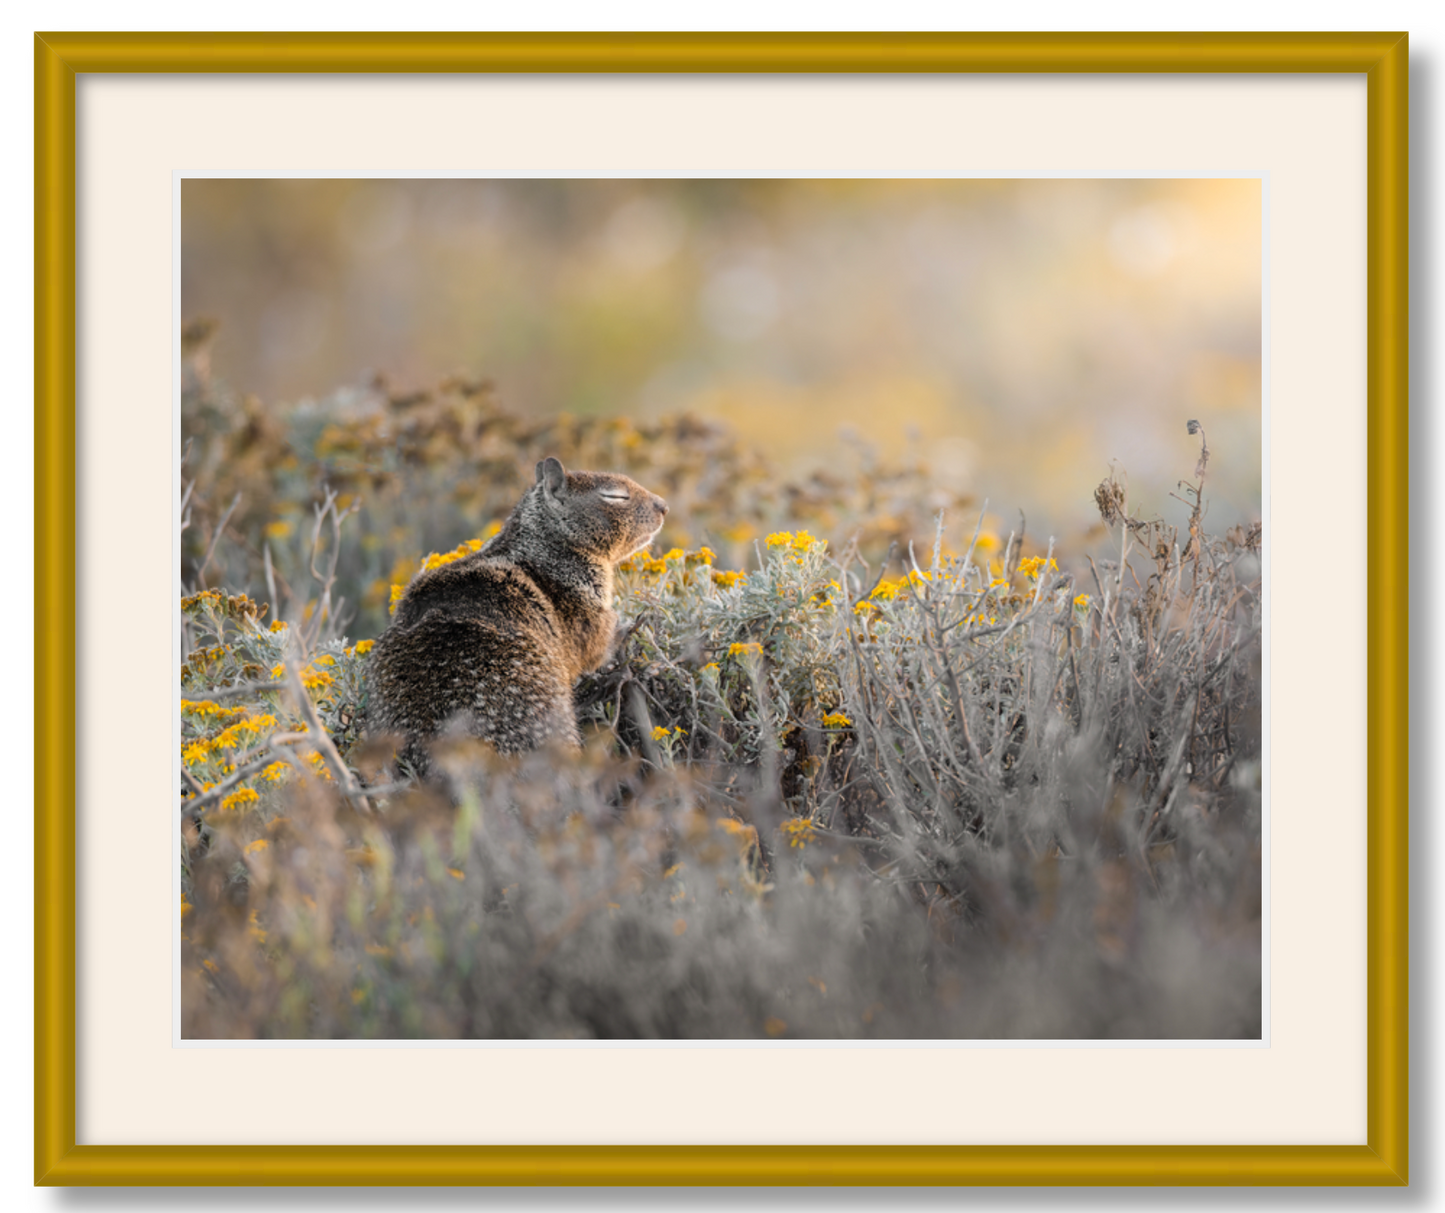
{"x":492,"y":644}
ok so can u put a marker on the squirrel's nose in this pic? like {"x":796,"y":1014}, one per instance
{"x":661,"y":505}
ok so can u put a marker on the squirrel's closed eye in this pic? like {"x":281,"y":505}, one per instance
{"x":614,"y":496}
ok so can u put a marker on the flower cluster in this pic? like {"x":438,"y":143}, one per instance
{"x":798,"y":544}
{"x":236,"y":607}
{"x":887,"y":590}
{"x":200,"y":750}
{"x":241,"y":796}
{"x":223,"y":743}
{"x":1032,"y":566}
{"x":437,"y":559}
{"x":206,"y":709}
{"x":311,"y":678}
{"x":799,"y":831}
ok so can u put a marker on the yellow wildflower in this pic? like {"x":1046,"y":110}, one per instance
{"x":251,"y":848}
{"x":751,"y":649}
{"x":229,"y":738}
{"x":674,"y":554}
{"x":862,"y":608}
{"x":279,"y":529}
{"x":1082,"y":602}
{"x":836,"y":720}
{"x":275,"y":772}
{"x":195,"y":752}
{"x":710,"y":668}
{"x":363,"y":647}
{"x":437,"y":559}
{"x":313,"y":679}
{"x":278,"y":625}
{"x":703,"y":555}
{"x":239,"y":797}
{"x":886,"y":590}
{"x":1032,"y":566}
{"x":660,"y":733}
{"x":397,"y":591}
{"x":780,"y":539}
{"x":800,"y":831}
{"x":804,"y":542}
{"x":727,"y":580}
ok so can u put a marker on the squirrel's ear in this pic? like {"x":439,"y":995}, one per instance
{"x":552,"y":476}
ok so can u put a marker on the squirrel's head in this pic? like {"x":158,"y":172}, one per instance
{"x":602,"y":514}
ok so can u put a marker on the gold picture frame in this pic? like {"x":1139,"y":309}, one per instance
{"x":59,"y":58}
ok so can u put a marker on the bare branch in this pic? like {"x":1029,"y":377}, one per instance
{"x":238,"y":691}
{"x":321,"y":739}
{"x":216,"y":538}
{"x":223,"y":789}
{"x":271,"y":580}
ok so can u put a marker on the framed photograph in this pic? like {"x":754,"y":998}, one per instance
{"x":659,"y":558}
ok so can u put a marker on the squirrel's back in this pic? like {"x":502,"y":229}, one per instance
{"x":492,"y":644}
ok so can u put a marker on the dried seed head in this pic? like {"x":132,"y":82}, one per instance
{"x":1194,"y":427}
{"x":1110,"y":499}
{"x":1246,"y":537}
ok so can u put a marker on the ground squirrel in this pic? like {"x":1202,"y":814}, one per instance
{"x":492,"y":644}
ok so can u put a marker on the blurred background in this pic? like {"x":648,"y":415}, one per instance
{"x":1019,"y":336}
